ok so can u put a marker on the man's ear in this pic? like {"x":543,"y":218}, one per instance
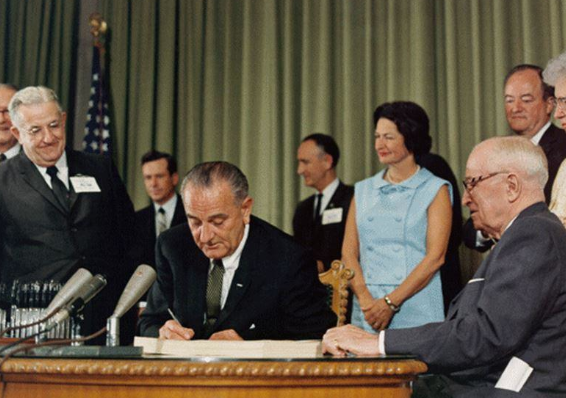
{"x":247,"y":209}
{"x":175,"y":177}
{"x":513,"y":188}
{"x":15,"y":133}
{"x":328,"y":161}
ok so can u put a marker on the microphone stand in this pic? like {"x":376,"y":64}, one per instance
{"x":113,"y":331}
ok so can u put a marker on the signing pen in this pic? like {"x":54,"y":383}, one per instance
{"x":173,"y":316}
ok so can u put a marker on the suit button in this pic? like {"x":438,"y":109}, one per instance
{"x":398,"y":219}
{"x":396,"y":249}
{"x":370,"y":218}
{"x":83,"y":257}
{"x":399,"y":277}
{"x":74,"y":229}
{"x":370,"y":248}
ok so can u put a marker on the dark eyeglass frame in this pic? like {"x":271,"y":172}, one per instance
{"x":470,"y":183}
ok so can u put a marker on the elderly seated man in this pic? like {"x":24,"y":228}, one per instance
{"x":505,"y":334}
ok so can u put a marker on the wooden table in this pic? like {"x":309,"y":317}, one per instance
{"x":208,"y":377}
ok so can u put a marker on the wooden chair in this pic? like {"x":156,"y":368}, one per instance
{"x":336,"y":279}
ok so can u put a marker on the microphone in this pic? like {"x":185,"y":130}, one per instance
{"x":70,"y":289}
{"x":76,"y":305}
{"x":139,"y":283}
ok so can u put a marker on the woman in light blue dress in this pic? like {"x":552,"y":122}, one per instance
{"x":398,"y":228}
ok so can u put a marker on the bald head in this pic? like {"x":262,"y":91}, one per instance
{"x":504,"y":175}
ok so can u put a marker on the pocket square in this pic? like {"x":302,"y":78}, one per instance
{"x":252,"y":326}
{"x":476,"y":280}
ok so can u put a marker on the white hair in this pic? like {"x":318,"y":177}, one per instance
{"x":555,"y":70}
{"x":30,"y":96}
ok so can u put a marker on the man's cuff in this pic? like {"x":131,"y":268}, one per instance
{"x":381,"y":342}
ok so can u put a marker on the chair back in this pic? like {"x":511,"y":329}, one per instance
{"x":336,"y":280}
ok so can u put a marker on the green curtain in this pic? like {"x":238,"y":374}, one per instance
{"x":38,"y":40}
{"x":244,"y":80}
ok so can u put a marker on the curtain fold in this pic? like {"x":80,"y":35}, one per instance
{"x":245,"y":80}
{"x":38,"y":40}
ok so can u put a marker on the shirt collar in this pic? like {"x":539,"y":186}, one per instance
{"x":538,"y":136}
{"x":412,"y":182}
{"x":13,"y":151}
{"x":168,"y":206}
{"x":61,"y":165}
{"x":330,"y":188}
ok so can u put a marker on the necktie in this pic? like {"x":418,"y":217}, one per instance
{"x":59,"y":189}
{"x":213,"y":294}
{"x":318,"y":207}
{"x":2,"y":157}
{"x":161,"y":221}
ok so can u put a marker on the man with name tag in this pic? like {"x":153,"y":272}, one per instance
{"x":227,"y":275}
{"x":9,"y":146}
{"x":61,"y":209}
{"x":504,"y":333}
{"x":320,"y":219}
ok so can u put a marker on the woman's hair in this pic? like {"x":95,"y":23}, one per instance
{"x":411,"y":121}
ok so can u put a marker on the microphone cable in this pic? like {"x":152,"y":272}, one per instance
{"x":45,"y":343}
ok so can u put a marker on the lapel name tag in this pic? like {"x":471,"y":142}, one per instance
{"x":332,"y":216}
{"x":84,"y":184}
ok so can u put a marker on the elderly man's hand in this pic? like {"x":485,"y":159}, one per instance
{"x":350,"y":339}
{"x":378,"y":314}
{"x":172,"y":330}
{"x":229,"y":334}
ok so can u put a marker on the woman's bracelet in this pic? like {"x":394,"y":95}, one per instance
{"x":393,"y":307}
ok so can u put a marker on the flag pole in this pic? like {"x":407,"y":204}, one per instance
{"x":97,"y":130}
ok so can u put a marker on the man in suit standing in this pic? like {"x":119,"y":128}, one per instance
{"x":9,"y":146}
{"x":320,"y":220}
{"x":528,"y":106}
{"x":160,"y":178}
{"x":237,"y":277}
{"x":61,"y":209}
{"x":507,"y":328}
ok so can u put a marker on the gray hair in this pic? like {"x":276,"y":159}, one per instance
{"x":518,"y":154}
{"x":30,"y":96}
{"x":555,"y":70}
{"x":207,"y":174}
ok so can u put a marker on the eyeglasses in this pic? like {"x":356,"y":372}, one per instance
{"x":470,"y":183}
{"x":559,"y":102}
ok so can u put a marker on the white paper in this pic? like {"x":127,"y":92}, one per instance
{"x":84,"y":184}
{"x":515,"y":375}
{"x":332,"y":216}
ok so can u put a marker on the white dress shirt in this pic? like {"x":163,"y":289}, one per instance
{"x":231,"y":264}
{"x":62,"y":171}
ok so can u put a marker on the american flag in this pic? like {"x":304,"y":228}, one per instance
{"x":97,"y":132}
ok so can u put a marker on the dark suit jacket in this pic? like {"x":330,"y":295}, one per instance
{"x":324,"y":240}
{"x":450,"y":272}
{"x":275,"y":293}
{"x":40,"y":241}
{"x":145,"y":230}
{"x":553,"y":143}
{"x":514,"y":306}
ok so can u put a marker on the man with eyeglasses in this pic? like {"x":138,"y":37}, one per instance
{"x":504,"y":334}
{"x":9,"y":146}
{"x":61,"y":209}
{"x":528,"y":106}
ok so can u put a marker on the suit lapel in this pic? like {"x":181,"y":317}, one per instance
{"x":194,"y":307}
{"x":32,"y":176}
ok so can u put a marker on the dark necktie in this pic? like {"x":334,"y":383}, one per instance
{"x":161,"y":221}
{"x":59,"y":189}
{"x":318,"y":207}
{"x":2,"y":157}
{"x":213,"y":294}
